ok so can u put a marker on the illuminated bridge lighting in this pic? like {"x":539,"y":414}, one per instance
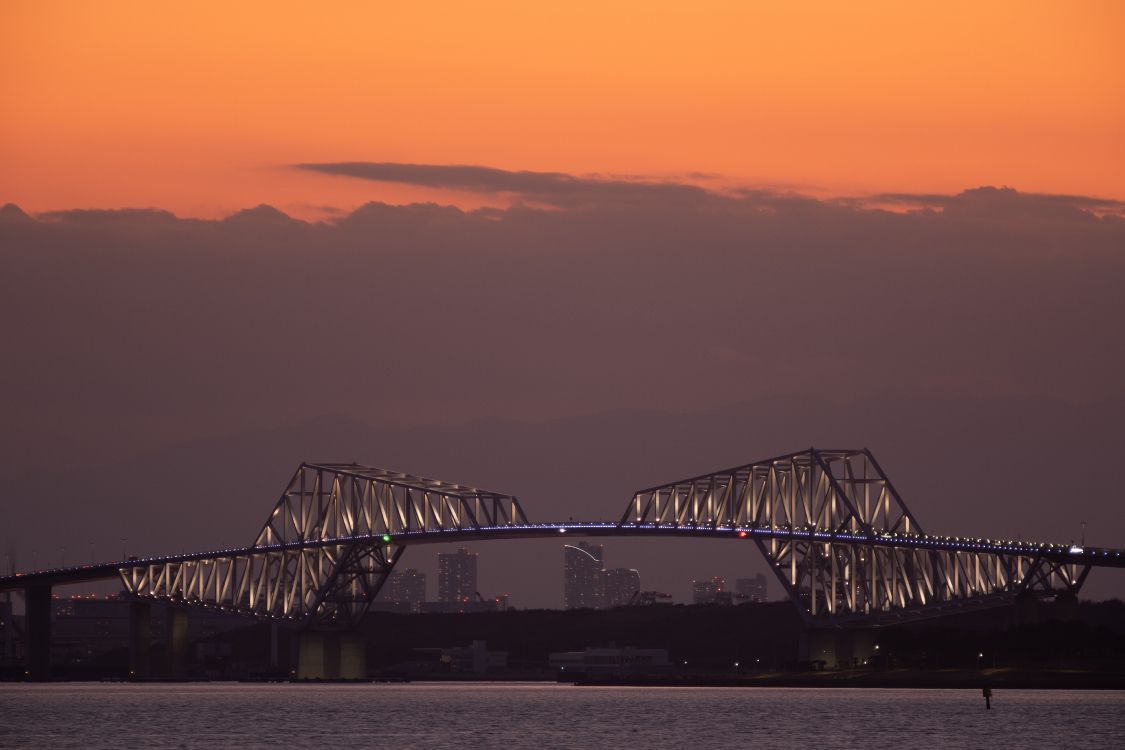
{"x":849,"y":548}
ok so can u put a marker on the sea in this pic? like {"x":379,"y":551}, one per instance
{"x":514,"y":716}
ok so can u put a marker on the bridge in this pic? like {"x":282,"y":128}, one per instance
{"x":834,"y":530}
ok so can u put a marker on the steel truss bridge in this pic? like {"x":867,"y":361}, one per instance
{"x":840,"y":539}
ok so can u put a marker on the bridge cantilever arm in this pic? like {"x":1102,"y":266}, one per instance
{"x":629,"y":508}
{"x":917,"y":527}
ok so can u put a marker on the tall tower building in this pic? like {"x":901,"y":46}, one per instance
{"x":618,"y":586}
{"x":582,"y":567}
{"x":752,"y":589}
{"x":709,"y":591}
{"x":457,"y":576}
{"x":407,"y":587}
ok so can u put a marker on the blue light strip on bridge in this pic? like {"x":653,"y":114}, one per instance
{"x":1060,"y":552}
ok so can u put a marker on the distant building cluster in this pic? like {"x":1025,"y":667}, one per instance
{"x":405,"y":590}
{"x":589,"y":585}
{"x":714,"y":590}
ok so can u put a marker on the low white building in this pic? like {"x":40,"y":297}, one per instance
{"x":611,"y":661}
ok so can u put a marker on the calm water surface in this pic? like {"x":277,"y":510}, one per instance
{"x":548,"y":716}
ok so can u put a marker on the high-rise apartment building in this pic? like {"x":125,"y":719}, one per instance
{"x":708,"y":591}
{"x":407,"y":587}
{"x":751,"y":589}
{"x":457,"y":576}
{"x":618,"y":586}
{"x":582,"y":566}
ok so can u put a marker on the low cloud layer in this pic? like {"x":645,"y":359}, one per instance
{"x":1000,"y":201}
{"x":135,"y":325}
{"x":573,"y":191}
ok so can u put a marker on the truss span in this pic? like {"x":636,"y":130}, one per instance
{"x":326,"y":548}
{"x":864,"y":553}
{"x":833,"y":528}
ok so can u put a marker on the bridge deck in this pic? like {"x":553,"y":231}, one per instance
{"x":1061,"y":553}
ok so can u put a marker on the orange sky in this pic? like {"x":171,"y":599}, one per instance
{"x":200,"y":108}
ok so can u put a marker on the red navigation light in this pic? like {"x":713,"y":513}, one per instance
{"x":742,"y":533}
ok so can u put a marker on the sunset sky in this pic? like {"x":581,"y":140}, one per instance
{"x":203,"y":108}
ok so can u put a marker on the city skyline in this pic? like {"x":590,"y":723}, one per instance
{"x":606,"y":587}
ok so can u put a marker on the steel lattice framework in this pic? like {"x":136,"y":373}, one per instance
{"x":325,"y":551}
{"x":854,"y":547}
{"x":832,"y":526}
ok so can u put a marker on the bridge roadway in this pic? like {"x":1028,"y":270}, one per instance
{"x":1057,"y":553}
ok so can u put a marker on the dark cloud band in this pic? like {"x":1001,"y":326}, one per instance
{"x":552,"y":188}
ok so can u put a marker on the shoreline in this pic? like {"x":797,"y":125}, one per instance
{"x":1012,"y":679}
{"x":901,"y":679}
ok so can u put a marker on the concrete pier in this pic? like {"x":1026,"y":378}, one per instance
{"x":331,"y":656}
{"x":38,"y":604}
{"x":353,"y":657}
{"x":310,"y":656}
{"x":837,"y":646}
{"x":274,"y":661}
{"x":177,"y":640}
{"x":140,"y":640}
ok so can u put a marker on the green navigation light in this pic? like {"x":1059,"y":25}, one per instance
{"x":387,"y":538}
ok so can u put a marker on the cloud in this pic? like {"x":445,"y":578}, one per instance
{"x":548,"y":188}
{"x":12,"y":214}
{"x":135,"y":326}
{"x":1001,"y":201}
{"x":122,"y":217}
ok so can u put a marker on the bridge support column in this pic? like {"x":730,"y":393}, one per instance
{"x":1066,"y":606}
{"x":837,"y":648}
{"x":856,"y":647}
{"x":1027,"y":609}
{"x":140,"y":640}
{"x":331,"y":656}
{"x":353,"y":657}
{"x":818,"y":646}
{"x":273,"y":646}
{"x":177,"y":626}
{"x":38,"y":628}
{"x":310,"y":657}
